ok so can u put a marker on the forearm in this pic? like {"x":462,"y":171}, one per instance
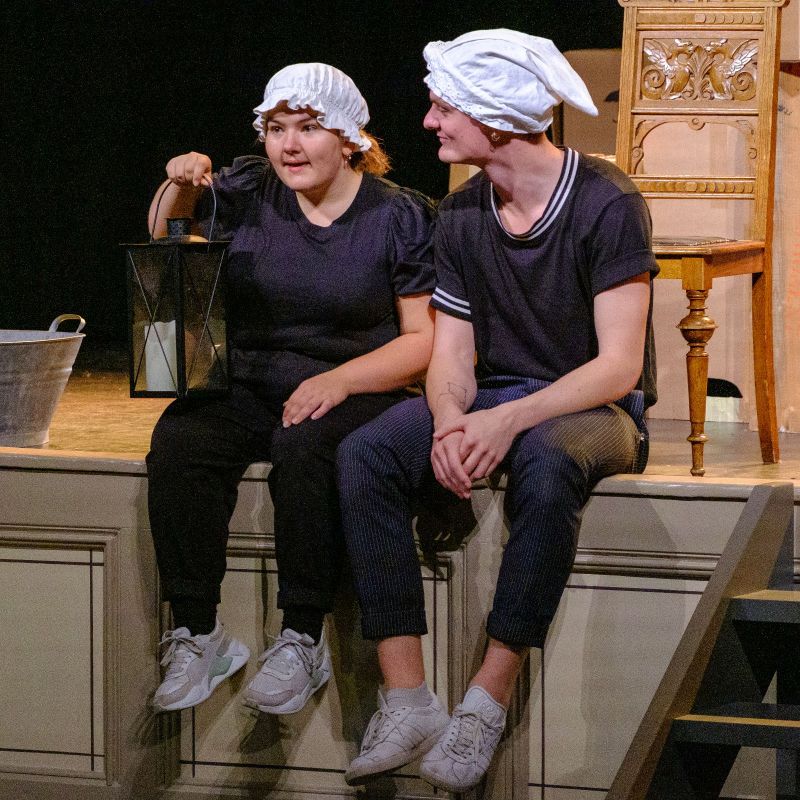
{"x":392,"y":366}
{"x":177,"y":201}
{"x":620,"y":316}
{"x":450,"y":386}
{"x":596,"y":383}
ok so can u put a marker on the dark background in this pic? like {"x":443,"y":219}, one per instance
{"x":98,"y":96}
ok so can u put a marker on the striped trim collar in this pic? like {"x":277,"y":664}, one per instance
{"x":565,"y":182}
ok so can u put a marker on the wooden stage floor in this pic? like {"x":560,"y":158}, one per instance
{"x":97,"y":415}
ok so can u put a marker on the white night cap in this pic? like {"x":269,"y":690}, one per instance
{"x":331,"y":93}
{"x":505,"y":79}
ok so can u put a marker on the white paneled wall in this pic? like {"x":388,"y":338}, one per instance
{"x":80,"y":622}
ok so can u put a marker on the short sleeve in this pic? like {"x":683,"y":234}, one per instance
{"x":411,"y":239}
{"x":620,"y":246}
{"x":234,"y":188}
{"x":450,"y":296}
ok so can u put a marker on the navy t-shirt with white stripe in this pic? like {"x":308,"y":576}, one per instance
{"x":530,"y":297}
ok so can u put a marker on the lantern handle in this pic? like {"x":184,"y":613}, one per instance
{"x":63,"y":318}
{"x":213,"y":213}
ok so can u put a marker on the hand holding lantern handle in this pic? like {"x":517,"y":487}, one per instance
{"x":187,"y":175}
{"x":190,"y":169}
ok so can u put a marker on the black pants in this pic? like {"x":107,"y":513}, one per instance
{"x":198,"y":455}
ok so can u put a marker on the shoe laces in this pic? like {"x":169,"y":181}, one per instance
{"x":383,"y":722}
{"x":283,"y":655}
{"x":468,"y":734}
{"x":182,"y":649}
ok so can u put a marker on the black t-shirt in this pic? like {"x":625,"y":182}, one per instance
{"x":530,"y":297}
{"x":303,"y":298}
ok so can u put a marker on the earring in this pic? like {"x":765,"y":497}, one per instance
{"x":494,"y":137}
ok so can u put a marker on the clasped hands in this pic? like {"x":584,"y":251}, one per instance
{"x":468,"y":447}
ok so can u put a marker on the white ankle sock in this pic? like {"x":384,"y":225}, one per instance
{"x":415,"y":698}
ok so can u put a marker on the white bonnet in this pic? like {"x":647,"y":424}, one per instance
{"x":331,"y":93}
{"x":505,"y":79}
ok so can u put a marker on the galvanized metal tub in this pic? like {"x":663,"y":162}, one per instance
{"x":34,"y":369}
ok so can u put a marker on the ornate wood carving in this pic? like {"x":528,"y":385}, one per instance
{"x":696,"y":123}
{"x":721,"y":18}
{"x":740,"y":186}
{"x":680,"y":18}
{"x":640,"y":132}
{"x":703,"y":69}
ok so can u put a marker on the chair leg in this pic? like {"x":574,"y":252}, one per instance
{"x":697,"y":329}
{"x":764,"y":368}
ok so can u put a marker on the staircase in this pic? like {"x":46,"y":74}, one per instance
{"x":744,"y":635}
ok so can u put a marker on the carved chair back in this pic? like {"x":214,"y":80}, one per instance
{"x":697,"y":114}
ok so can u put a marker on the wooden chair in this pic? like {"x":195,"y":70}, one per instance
{"x":696,"y":132}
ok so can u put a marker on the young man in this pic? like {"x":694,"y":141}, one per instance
{"x":544,"y":268}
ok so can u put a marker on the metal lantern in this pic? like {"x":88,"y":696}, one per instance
{"x":176,"y":315}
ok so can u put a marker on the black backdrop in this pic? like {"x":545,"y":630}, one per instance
{"x":98,"y":95}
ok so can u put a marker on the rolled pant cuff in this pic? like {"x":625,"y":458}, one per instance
{"x":530,"y":632}
{"x":380,"y":625}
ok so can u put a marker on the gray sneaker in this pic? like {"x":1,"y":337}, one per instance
{"x":291,"y":671}
{"x":196,"y":665}
{"x":396,"y":736}
{"x":460,"y":758}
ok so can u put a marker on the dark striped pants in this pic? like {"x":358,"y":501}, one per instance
{"x":383,"y":467}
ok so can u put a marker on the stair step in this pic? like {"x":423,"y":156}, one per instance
{"x":743,"y":724}
{"x":769,"y":605}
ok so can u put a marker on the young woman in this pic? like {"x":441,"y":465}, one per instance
{"x":329,"y":279}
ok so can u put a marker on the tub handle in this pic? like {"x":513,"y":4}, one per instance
{"x":63,"y":318}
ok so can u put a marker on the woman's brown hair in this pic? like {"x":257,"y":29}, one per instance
{"x":375,"y":160}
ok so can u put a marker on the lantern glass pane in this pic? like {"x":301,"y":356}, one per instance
{"x":204,"y":320}
{"x":154,"y":319}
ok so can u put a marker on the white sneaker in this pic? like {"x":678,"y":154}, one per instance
{"x":291,"y":671}
{"x":396,"y":736}
{"x":460,"y":758}
{"x":196,"y":665}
